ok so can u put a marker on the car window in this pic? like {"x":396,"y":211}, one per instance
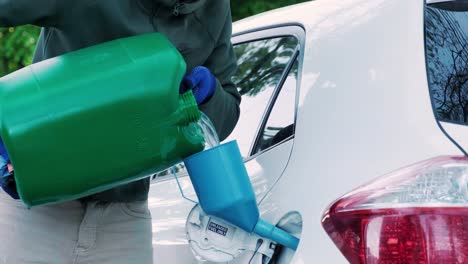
{"x":280,"y":122}
{"x":261,"y":65}
{"x":447,"y":60}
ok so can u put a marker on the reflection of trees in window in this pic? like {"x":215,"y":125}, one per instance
{"x":261,"y":63}
{"x":447,"y":51}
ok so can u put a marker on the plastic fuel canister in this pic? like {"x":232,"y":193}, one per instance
{"x":93,"y":119}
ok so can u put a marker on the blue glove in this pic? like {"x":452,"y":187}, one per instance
{"x":202,"y":83}
{"x":3,"y":152}
{"x":7,"y":180}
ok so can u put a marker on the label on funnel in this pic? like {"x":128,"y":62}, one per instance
{"x":217,"y":228}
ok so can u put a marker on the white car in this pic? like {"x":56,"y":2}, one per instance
{"x":335,"y":94}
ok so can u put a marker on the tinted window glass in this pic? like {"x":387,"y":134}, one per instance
{"x":280,"y":123}
{"x":261,"y":65}
{"x":447,"y":62}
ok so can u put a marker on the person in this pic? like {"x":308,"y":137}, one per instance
{"x":115,"y":226}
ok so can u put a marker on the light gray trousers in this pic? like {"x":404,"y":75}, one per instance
{"x":75,"y":233}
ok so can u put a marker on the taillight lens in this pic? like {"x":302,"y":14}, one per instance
{"x":418,"y":214}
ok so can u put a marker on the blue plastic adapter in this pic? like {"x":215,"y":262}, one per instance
{"x":223,"y":187}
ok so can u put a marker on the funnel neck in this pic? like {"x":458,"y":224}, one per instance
{"x":267,"y":230}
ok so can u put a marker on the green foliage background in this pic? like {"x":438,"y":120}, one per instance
{"x":17,"y":44}
{"x":16,"y":47}
{"x":245,"y":8}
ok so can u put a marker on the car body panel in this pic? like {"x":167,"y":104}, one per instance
{"x":458,"y":133}
{"x":363,"y":111}
{"x":169,"y":209}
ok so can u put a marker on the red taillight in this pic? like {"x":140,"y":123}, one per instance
{"x":415,"y":215}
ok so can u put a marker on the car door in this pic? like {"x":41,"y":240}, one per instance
{"x":268,"y":78}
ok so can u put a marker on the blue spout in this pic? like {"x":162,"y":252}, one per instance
{"x":267,"y":230}
{"x":223,"y":187}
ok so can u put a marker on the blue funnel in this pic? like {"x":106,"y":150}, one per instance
{"x":223,"y":187}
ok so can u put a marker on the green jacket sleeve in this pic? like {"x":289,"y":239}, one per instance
{"x":223,"y":106}
{"x":36,"y":12}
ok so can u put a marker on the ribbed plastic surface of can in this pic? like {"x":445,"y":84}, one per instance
{"x":96,"y":118}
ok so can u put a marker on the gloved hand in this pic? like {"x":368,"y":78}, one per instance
{"x":7,"y":180}
{"x":202,"y":83}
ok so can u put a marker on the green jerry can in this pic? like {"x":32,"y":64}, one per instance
{"x":96,"y":118}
